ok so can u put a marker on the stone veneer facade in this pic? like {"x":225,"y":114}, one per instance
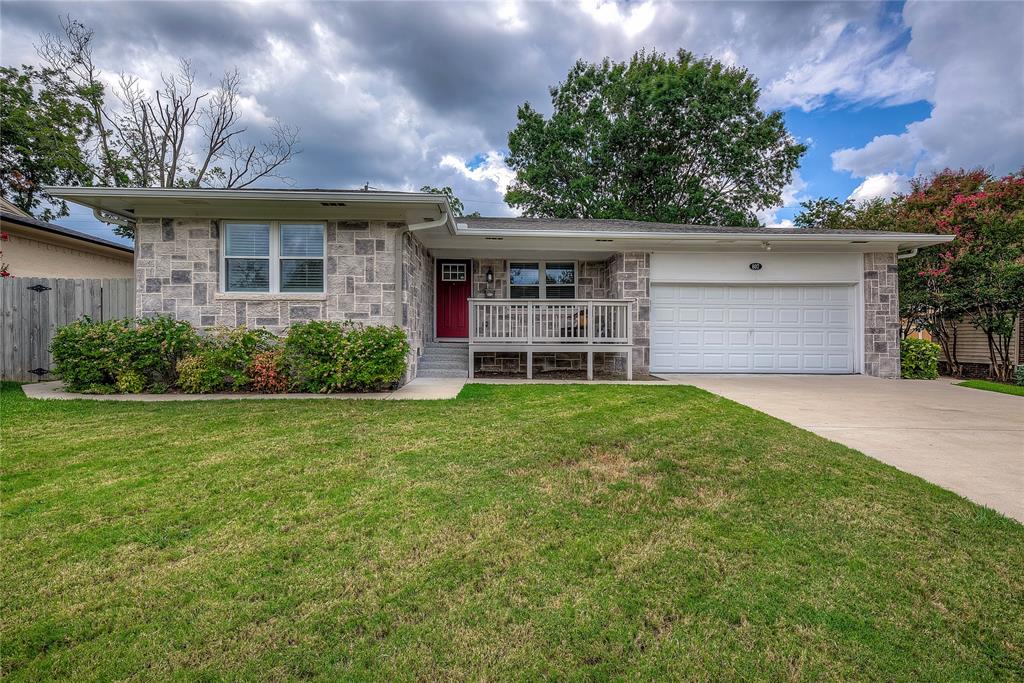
{"x":881,"y":316}
{"x":178,"y":273}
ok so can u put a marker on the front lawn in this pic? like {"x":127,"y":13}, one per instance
{"x":518,"y":532}
{"x":985,"y":385}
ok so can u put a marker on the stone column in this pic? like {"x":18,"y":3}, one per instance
{"x":629,"y":277}
{"x":881,"y":316}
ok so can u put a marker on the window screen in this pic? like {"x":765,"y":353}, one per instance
{"x":247,"y":257}
{"x":302,"y":257}
{"x":559,"y":280}
{"x":524,"y":280}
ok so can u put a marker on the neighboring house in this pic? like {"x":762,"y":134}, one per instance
{"x":972,"y":346}
{"x":35,"y":248}
{"x":518,"y":294}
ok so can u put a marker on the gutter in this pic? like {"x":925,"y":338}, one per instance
{"x":910,"y":254}
{"x":705,"y":236}
{"x":112,"y":218}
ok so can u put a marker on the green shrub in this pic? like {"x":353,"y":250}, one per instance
{"x":1018,"y":375}
{"x":323,"y":356}
{"x":265,"y":372}
{"x":919,"y":359}
{"x":87,"y":353}
{"x":130,"y":382}
{"x":311,"y":354}
{"x":153,"y":347}
{"x":199,"y":374}
{"x":232,"y":350}
{"x":223,"y":359}
{"x":373,"y":357}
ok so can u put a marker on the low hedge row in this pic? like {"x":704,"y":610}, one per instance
{"x":159,"y":354}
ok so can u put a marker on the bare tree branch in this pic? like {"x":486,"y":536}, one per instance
{"x":150,"y":138}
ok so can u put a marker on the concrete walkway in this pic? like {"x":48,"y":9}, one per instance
{"x":965,"y":440}
{"x":420,"y":389}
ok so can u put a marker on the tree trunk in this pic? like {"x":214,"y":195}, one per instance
{"x":945,"y":334}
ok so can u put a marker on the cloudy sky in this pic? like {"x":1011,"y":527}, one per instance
{"x":402,"y":94}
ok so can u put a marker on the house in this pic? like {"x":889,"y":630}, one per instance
{"x":35,"y":248}
{"x":518,"y":294}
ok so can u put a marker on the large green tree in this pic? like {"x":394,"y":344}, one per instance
{"x":657,"y":138}
{"x":41,"y":125}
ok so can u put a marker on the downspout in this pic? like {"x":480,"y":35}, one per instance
{"x":910,"y":254}
{"x":400,"y":253}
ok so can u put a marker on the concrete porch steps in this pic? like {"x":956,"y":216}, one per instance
{"x":441,"y":359}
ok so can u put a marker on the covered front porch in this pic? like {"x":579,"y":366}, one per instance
{"x":526,"y":316}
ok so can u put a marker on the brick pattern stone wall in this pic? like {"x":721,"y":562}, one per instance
{"x":881,"y":316}
{"x":592,"y":280}
{"x":177,"y":273}
{"x":498,"y":289}
{"x":629,"y":277}
{"x":417,"y":298}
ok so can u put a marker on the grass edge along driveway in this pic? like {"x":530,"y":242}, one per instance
{"x":517,"y":532}
{"x":998,"y":387}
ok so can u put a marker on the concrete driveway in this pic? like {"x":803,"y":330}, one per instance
{"x":965,"y":440}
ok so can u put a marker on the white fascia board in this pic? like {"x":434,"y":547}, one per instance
{"x":899,"y":237}
{"x":263,"y":195}
{"x":88,"y":195}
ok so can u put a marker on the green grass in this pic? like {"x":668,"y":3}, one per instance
{"x":985,"y":385}
{"x":518,"y":532}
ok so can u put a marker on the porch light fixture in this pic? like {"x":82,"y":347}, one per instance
{"x":489,"y":275}
{"x":767,"y":246}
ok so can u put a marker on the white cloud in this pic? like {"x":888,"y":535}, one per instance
{"x":880,"y":185}
{"x":491,"y":170}
{"x":976,"y":54}
{"x":609,"y":13}
{"x":851,"y":62}
{"x":884,"y":152}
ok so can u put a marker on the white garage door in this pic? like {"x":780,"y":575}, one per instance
{"x":759,"y":328}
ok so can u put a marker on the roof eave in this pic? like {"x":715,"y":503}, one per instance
{"x":903,"y":238}
{"x":355,"y":196}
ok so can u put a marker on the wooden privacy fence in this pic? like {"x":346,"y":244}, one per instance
{"x":33,"y":308}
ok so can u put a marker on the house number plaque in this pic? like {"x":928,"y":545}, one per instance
{"x":755,"y":266}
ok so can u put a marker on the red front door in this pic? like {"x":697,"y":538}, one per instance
{"x":452,"y":292}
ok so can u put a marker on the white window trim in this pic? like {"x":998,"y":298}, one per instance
{"x":274,"y":257}
{"x":542,"y":266}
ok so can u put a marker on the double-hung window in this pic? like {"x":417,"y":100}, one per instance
{"x":542,"y":280}
{"x":273,"y":256}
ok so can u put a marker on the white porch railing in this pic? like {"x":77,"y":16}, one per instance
{"x":550,"y":321}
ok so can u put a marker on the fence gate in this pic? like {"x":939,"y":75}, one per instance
{"x":33,"y":308}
